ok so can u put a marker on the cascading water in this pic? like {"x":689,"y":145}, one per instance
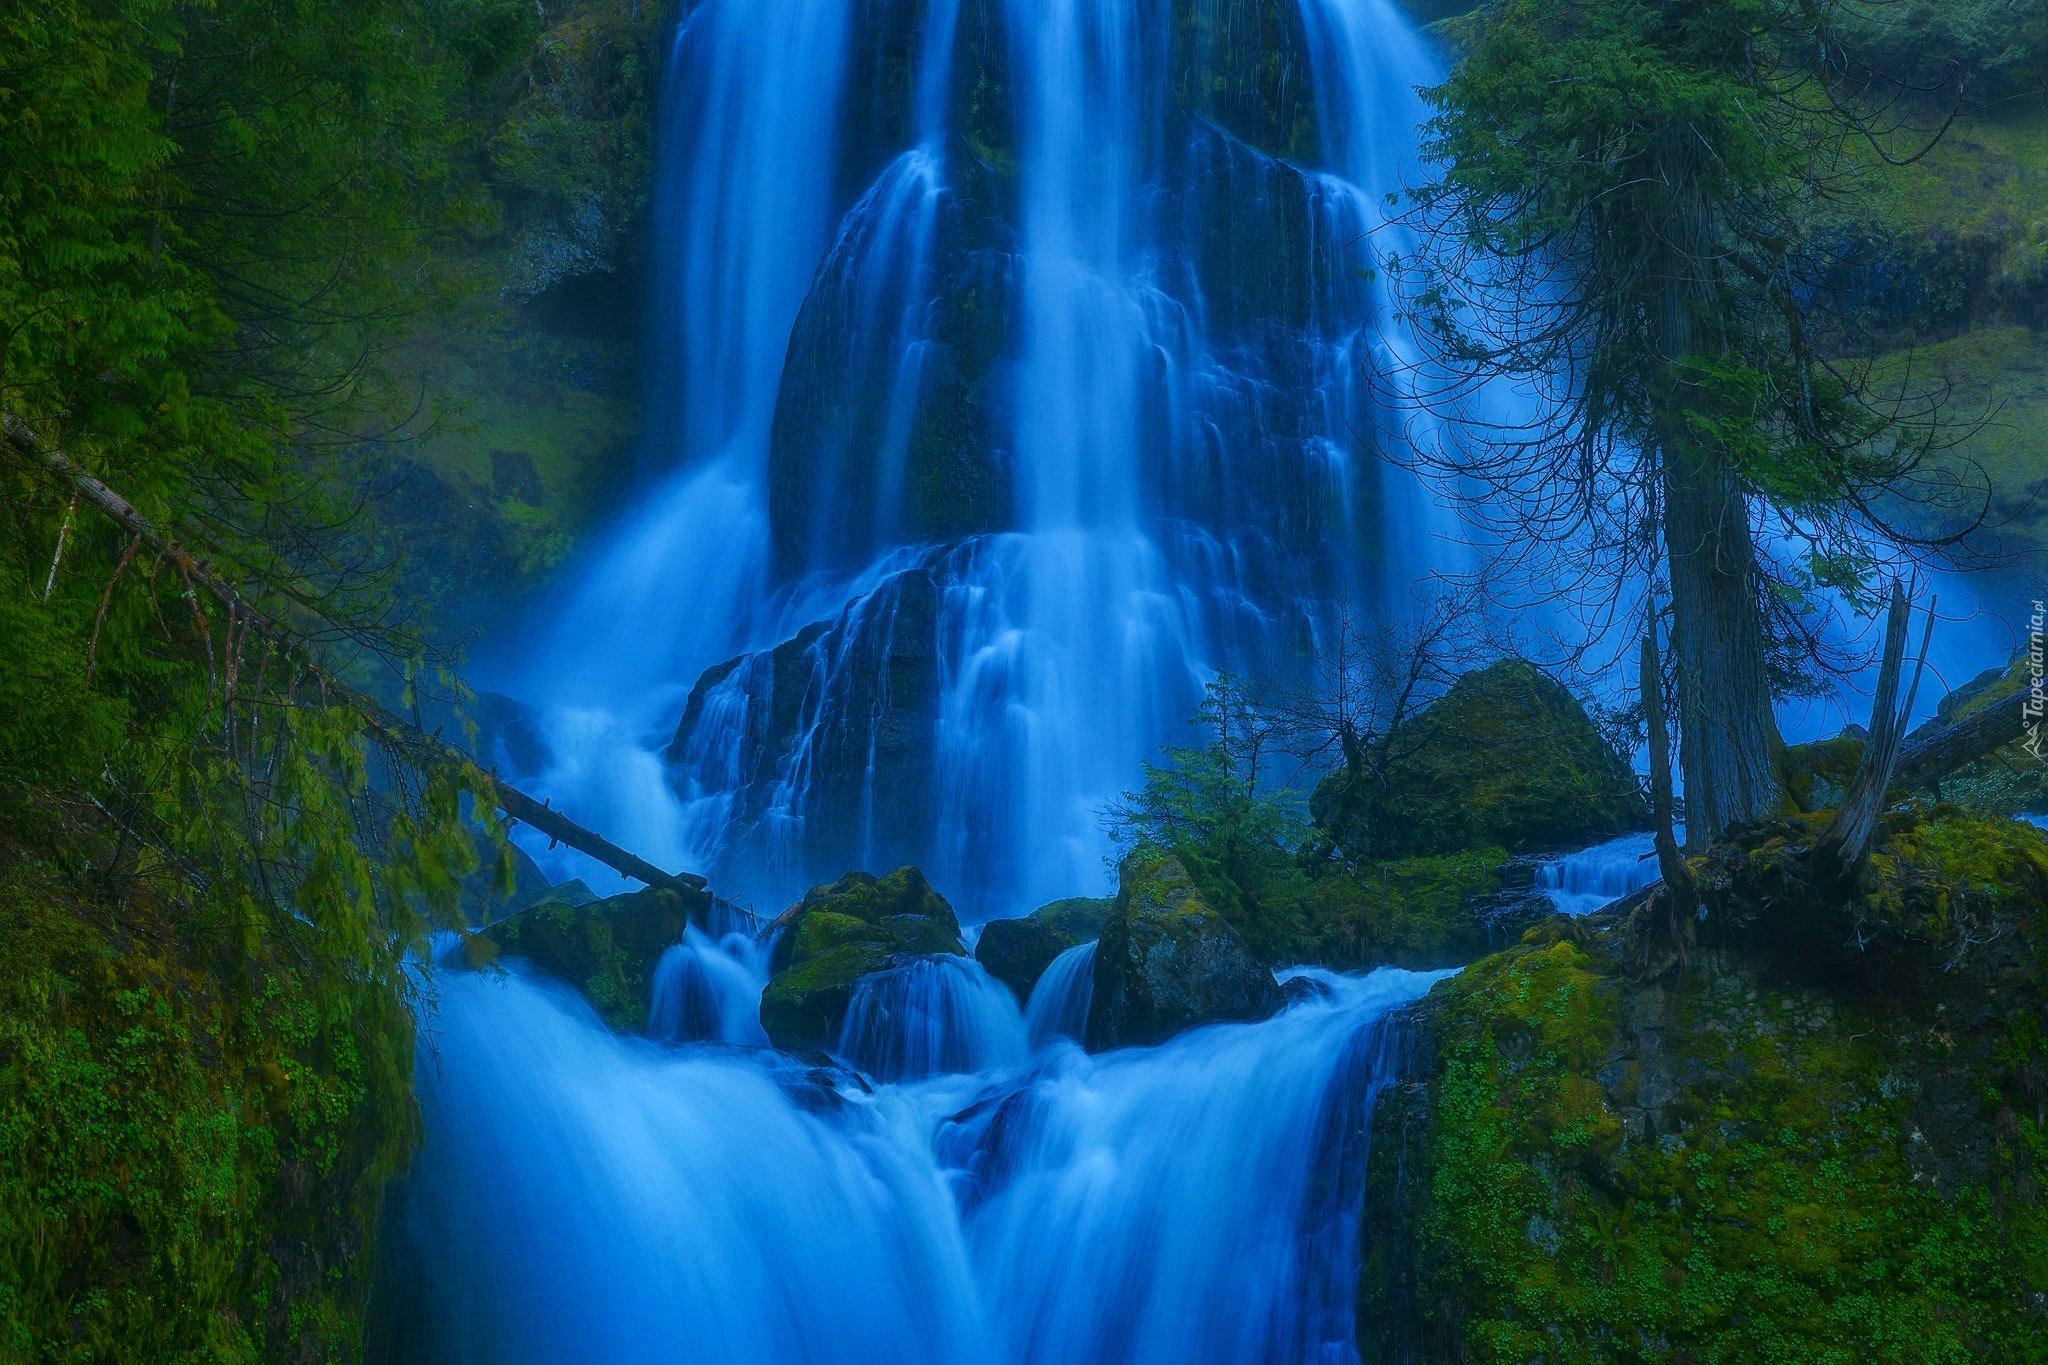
{"x":963,"y":501}
{"x":1058,"y":1007}
{"x":1064,"y":417}
{"x":1580,"y":883}
{"x":585,"y":1197}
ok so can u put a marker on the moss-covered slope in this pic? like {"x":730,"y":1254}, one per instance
{"x":194,"y":1131}
{"x":1787,"y":1148}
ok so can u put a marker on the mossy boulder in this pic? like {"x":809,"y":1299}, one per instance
{"x":839,"y":933}
{"x":1166,"y":961}
{"x":1788,"y":1143}
{"x":606,"y":949}
{"x":1421,"y":913}
{"x":1016,"y":952}
{"x":1507,"y":758}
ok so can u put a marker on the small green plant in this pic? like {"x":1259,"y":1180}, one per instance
{"x":1216,"y":808}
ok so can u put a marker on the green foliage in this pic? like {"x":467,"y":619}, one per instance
{"x":1998,"y":48}
{"x":1636,"y":215}
{"x":194,"y":1130}
{"x":212,"y":218}
{"x":1235,"y":832}
{"x":1408,"y":912}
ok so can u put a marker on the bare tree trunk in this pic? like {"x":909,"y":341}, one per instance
{"x":1728,"y":738}
{"x":1934,"y":755}
{"x":1678,"y":884}
{"x":1839,"y":853}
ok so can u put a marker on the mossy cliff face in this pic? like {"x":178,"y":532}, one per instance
{"x":194,"y":1131}
{"x":836,"y":935}
{"x":1506,"y":758}
{"x":607,"y":949}
{"x":1784,"y":1148}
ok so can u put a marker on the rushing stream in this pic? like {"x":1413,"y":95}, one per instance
{"x":588,"y":1197}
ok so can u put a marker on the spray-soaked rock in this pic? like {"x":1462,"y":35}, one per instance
{"x":1167,"y":961}
{"x":607,"y":949}
{"x":1016,"y":952}
{"x":839,"y":933}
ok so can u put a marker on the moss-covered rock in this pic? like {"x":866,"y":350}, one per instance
{"x":1016,"y":952}
{"x":1080,"y":917}
{"x":1421,"y":913}
{"x":1166,"y":961}
{"x":836,"y":935}
{"x":1764,"y":1152}
{"x":606,"y":949}
{"x":1506,"y":758}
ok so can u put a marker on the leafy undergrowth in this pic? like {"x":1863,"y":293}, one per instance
{"x":1725,"y":1162}
{"x":193,"y":1132}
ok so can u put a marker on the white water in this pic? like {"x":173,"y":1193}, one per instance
{"x":985,"y":1191}
{"x":1058,"y":1007}
{"x":1158,"y":534}
{"x":591,"y":1198}
{"x":1580,"y":883}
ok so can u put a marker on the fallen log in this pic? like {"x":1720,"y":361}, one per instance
{"x":391,"y":731}
{"x":1934,"y":755}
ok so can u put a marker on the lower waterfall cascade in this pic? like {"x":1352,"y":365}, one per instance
{"x":590,"y":1197}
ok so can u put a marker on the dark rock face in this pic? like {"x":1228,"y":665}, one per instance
{"x":836,"y":935}
{"x":1507,"y":758}
{"x":1166,"y":962}
{"x":1806,"y":1108}
{"x":606,"y":949}
{"x":831,"y":733}
{"x":1016,"y":952}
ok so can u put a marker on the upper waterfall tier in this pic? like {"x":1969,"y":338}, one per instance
{"x":1087,"y":381}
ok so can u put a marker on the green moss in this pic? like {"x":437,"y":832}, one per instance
{"x":1725,"y":1165}
{"x":193,"y":1133}
{"x":1817,"y":774}
{"x":1506,"y":758}
{"x":839,"y":933}
{"x":607,"y":949}
{"x":1080,"y":917}
{"x":1414,"y":912}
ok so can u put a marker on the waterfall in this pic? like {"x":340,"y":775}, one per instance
{"x":1058,"y":1007}
{"x":1580,"y":883}
{"x":709,"y":991}
{"x":1007,"y":383}
{"x":931,"y":1016}
{"x":1004,"y":387}
{"x":587,"y":1197}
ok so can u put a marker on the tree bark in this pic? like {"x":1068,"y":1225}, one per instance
{"x":1678,"y":883}
{"x":1728,"y":738}
{"x":1839,"y":854}
{"x":1933,"y":756}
